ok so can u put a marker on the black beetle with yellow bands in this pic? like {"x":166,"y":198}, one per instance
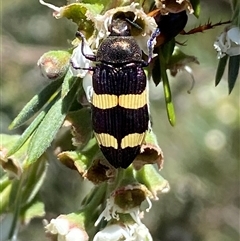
{"x":120,"y":115}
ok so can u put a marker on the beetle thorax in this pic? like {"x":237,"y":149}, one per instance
{"x":119,"y":49}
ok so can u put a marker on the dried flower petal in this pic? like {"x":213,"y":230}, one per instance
{"x":125,"y":200}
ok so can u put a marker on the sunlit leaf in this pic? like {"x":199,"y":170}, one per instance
{"x":35,"y":210}
{"x":152,"y":180}
{"x":35,"y":104}
{"x":167,"y":91}
{"x":4,"y":197}
{"x":4,"y":182}
{"x":68,"y":82}
{"x":220,"y":70}
{"x":233,"y":71}
{"x":31,"y":128}
{"x":50,"y":125}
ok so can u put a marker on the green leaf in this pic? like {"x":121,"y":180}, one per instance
{"x":29,"y":131}
{"x":4,"y":197}
{"x":50,"y":125}
{"x":150,"y":177}
{"x":220,"y":70}
{"x":35,"y":104}
{"x":34,"y":178}
{"x":68,"y":82}
{"x":167,"y":91}
{"x":196,"y":7}
{"x":167,"y":50}
{"x":36,"y":209}
{"x":233,"y":71}
{"x":156,"y":71}
{"x":4,"y":182}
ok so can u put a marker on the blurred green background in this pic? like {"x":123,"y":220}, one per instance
{"x":201,"y":152}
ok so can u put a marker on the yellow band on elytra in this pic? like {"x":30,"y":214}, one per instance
{"x":132,"y":140}
{"x":130,"y":101}
{"x":106,"y":140}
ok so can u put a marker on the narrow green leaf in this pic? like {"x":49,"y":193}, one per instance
{"x":35,"y":104}
{"x":50,"y":125}
{"x":68,"y":82}
{"x":196,"y":7}
{"x":4,"y":197}
{"x":167,"y":50}
{"x":233,"y":71}
{"x":156,"y":71}
{"x":4,"y":182}
{"x":34,"y":179}
{"x":220,"y":70}
{"x":167,"y":91}
{"x":29,"y":131}
{"x":26,"y":134}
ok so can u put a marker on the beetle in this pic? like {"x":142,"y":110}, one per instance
{"x":120,"y":115}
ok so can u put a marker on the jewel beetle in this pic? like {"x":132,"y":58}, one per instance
{"x":119,"y":101}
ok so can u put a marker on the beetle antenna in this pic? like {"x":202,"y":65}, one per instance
{"x":87,"y":56}
{"x":133,"y":24}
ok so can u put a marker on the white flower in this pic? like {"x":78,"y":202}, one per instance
{"x":87,"y":86}
{"x":65,"y":231}
{"x":58,"y":226}
{"x":79,"y":64}
{"x":109,"y":212}
{"x":76,"y":234}
{"x":228,"y":42}
{"x":112,"y":233}
{"x":80,"y":67}
{"x":101,"y":23}
{"x":139,"y":232}
{"x":127,"y":232}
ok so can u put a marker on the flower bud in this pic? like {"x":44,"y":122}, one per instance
{"x":54,"y":64}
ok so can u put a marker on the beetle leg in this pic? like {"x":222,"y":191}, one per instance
{"x":77,"y":67}
{"x":87,"y":56}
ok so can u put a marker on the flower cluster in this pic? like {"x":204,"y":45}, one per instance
{"x":228,"y":43}
{"x":64,"y":230}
